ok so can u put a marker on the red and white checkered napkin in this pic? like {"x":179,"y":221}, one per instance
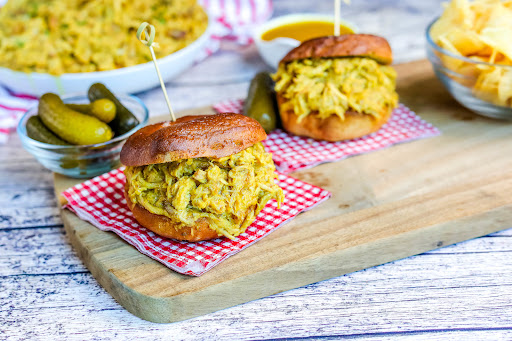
{"x":292,"y":153}
{"x":101,"y":202}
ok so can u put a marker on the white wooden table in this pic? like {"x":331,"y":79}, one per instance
{"x":457,"y":292}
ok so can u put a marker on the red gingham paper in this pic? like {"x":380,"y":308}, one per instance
{"x":101,"y":202}
{"x":292,"y":153}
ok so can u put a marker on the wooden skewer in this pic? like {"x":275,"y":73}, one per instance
{"x":337,"y":15}
{"x":337,"y":5}
{"x":149,"y":42}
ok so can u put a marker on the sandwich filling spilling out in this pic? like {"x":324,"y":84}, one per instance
{"x":331,"y":86}
{"x":229,"y":192}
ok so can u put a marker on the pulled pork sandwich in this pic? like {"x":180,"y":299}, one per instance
{"x":336,"y":88}
{"x":200,"y":177}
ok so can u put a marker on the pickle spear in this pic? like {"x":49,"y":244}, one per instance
{"x":70,"y":125}
{"x":261,"y":102}
{"x":36,"y":130}
{"x":124,"y":120}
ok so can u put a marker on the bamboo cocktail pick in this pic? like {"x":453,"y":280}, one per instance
{"x":337,"y":5}
{"x":337,"y":14}
{"x":149,"y":42}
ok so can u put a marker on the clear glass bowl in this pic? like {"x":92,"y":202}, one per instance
{"x":463,"y":78}
{"x":83,"y":161}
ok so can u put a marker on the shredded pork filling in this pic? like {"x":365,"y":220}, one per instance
{"x":333,"y":86}
{"x":229,"y":192}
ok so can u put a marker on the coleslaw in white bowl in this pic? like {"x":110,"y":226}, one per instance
{"x":131,"y":79}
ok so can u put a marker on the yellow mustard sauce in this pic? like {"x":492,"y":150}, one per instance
{"x":303,"y":31}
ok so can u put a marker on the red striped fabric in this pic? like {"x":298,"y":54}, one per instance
{"x":235,"y":19}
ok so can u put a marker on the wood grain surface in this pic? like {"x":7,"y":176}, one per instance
{"x":459,"y":292}
{"x":379,"y":212}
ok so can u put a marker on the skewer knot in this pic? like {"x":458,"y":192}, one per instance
{"x":150,"y":37}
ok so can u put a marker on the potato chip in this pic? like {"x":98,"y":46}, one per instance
{"x":505,"y":88}
{"x":486,"y":86}
{"x":482,"y":10}
{"x":495,"y":85}
{"x":486,"y":52}
{"x":466,"y":42}
{"x":450,"y":62}
{"x":497,"y":33}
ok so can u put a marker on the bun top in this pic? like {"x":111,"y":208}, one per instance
{"x":346,"y":45}
{"x":189,"y":137}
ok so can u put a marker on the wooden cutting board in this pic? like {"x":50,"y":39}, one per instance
{"x":386,"y":205}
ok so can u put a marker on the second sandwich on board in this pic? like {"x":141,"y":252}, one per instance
{"x":337,"y":87}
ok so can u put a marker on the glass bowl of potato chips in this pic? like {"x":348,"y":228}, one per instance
{"x":470,"y":48}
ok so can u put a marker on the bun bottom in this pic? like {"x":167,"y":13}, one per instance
{"x":332,"y":128}
{"x":165,"y":227}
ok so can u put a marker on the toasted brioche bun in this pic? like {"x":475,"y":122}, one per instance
{"x":165,"y":227}
{"x":346,"y":45}
{"x":333,"y":128}
{"x":213,"y":136}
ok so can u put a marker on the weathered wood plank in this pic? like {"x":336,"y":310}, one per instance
{"x":13,"y":152}
{"x":421,"y":293}
{"x":467,"y":334}
{"x":37,"y":251}
{"x":26,"y":190}
{"x":47,"y":250}
{"x":24,"y":176}
{"x":25,"y":180}
{"x":14,"y":217}
{"x":27,"y":197}
{"x":22,"y":163}
{"x":505,"y":233}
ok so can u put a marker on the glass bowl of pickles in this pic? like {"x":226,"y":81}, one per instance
{"x":470,"y":52}
{"x":81,"y":136}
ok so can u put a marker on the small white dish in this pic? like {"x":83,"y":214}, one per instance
{"x":131,"y":79}
{"x":273,"y":51}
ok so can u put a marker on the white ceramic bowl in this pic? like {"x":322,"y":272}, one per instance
{"x":273,"y":51}
{"x":131,"y":79}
